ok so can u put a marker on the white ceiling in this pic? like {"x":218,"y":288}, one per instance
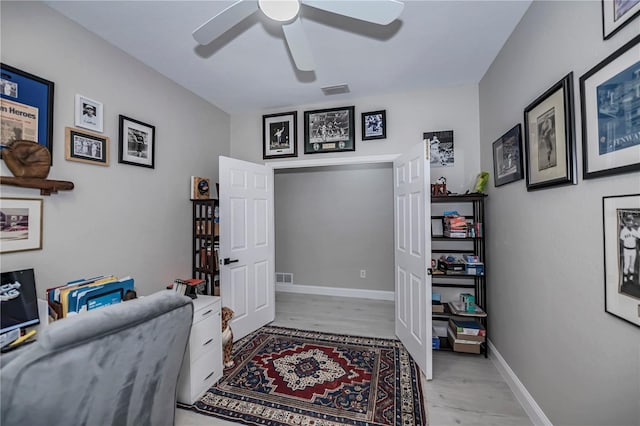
{"x":432,"y":44}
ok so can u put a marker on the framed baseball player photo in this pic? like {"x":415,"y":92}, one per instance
{"x":621,"y":232}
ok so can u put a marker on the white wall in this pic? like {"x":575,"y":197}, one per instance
{"x":545,"y":250}
{"x":121,"y":219}
{"x":409,"y":115}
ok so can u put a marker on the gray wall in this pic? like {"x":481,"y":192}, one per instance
{"x":331,"y":222}
{"x":546,"y":290}
{"x":121,"y":219}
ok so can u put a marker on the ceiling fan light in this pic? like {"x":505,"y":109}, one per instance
{"x":280,"y":10}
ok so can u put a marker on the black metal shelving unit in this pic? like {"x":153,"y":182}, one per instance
{"x":463,"y":281}
{"x":205,"y":244}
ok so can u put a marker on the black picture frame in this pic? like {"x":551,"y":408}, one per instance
{"x":620,"y":227}
{"x":507,"y":157}
{"x":280,"y":135}
{"x":329,"y":130}
{"x":32,"y":97}
{"x":608,"y":96}
{"x":550,"y":138}
{"x":616,"y":15}
{"x":374,"y":125}
{"x":136,"y":142}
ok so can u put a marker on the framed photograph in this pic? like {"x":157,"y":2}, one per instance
{"x":329,"y":130}
{"x":549,"y":137}
{"x":86,"y":147}
{"x":507,"y":157}
{"x":621,"y":234}
{"x":441,"y":152}
{"x":137,"y":143}
{"x":20,"y":224}
{"x":280,"y":135}
{"x":374,"y":125}
{"x":610,"y":104}
{"x":616,"y":14}
{"x":26,"y":102}
{"x":88,"y":113}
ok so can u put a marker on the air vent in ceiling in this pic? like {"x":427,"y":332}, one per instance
{"x":335,"y":90}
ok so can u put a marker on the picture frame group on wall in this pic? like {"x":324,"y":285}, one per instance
{"x":549,"y":137}
{"x":621,"y":235}
{"x":329,"y":130}
{"x":88,"y":114}
{"x":26,"y":101}
{"x":609,"y":95}
{"x":137,"y":142}
{"x":616,"y":14}
{"x":507,"y":157}
{"x":86,"y":147}
{"x":280,"y":135}
{"x":374,"y":125}
{"x":22,"y":228}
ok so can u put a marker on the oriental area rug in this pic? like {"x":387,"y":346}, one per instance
{"x":284,"y":376}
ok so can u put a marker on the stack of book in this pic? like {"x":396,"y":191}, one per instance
{"x":455,"y":226}
{"x":187,"y":287}
{"x":466,"y":335}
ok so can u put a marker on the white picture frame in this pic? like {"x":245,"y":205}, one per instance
{"x":89,"y":114}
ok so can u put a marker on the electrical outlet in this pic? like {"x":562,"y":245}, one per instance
{"x":363,"y":273}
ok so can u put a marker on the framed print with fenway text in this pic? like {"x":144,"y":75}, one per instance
{"x":549,"y":137}
{"x":329,"y":130}
{"x":280,"y":135}
{"x":610,"y":107}
{"x":621,"y":234}
{"x":26,"y":102}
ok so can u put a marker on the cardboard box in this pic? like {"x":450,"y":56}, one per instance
{"x":463,"y":345}
{"x":467,"y":334}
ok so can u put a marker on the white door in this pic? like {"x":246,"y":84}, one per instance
{"x":247,"y":253}
{"x":412,"y":248}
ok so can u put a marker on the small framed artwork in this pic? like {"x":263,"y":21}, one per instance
{"x":441,"y":152}
{"x":621,"y":234}
{"x":329,"y":130}
{"x":21,"y":224}
{"x":280,"y":135}
{"x":26,"y":102}
{"x":86,"y":147}
{"x":374,"y":125}
{"x":616,"y":14}
{"x":137,"y":143}
{"x":549,"y":137}
{"x":88,"y":113}
{"x":609,"y":104}
{"x":507,"y":157}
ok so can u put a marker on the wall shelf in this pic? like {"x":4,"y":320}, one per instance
{"x":46,"y":186}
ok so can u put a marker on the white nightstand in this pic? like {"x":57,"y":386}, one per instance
{"x":202,"y":364}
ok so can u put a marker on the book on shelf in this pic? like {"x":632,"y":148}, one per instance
{"x":458,"y":308}
{"x":200,"y":189}
{"x":470,"y":327}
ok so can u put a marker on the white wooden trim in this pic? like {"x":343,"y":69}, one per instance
{"x":529,"y":405}
{"x":336,"y":291}
{"x":337,"y":161}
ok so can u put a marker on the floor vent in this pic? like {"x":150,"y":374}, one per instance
{"x":284,"y":278}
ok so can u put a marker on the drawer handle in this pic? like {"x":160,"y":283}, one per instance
{"x":207,"y":342}
{"x":208,"y":312}
{"x":210,"y":374}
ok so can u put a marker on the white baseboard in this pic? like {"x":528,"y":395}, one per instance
{"x":530,"y":406}
{"x":336,"y":291}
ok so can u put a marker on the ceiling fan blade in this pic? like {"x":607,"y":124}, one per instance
{"x":298,"y":45}
{"x":381,"y":12}
{"x":224,"y":21}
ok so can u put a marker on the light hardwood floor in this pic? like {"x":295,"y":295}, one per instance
{"x":465,"y":390}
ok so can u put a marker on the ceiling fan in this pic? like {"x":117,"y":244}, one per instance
{"x":381,"y":12}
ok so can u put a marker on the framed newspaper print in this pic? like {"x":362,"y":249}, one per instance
{"x":610,"y":107}
{"x":26,"y":102}
{"x":549,"y":137}
{"x":621,"y":233}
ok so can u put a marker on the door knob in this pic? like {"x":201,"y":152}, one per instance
{"x":228,"y":260}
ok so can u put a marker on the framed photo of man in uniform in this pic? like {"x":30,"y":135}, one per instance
{"x":621,"y":222}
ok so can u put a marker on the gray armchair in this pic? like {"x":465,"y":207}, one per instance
{"x":116,"y":365}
